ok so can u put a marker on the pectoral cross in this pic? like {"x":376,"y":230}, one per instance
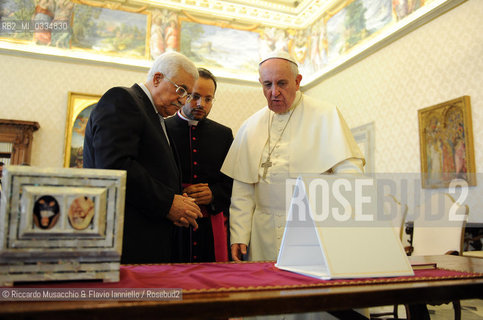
{"x":265,"y":165}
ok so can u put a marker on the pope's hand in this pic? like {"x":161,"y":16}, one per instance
{"x":237,"y":250}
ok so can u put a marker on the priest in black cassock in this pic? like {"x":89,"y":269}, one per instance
{"x":202,"y":145}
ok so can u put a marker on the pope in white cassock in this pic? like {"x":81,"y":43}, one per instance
{"x":293,"y":135}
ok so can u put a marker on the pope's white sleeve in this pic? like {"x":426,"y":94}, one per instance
{"x":351,"y":165}
{"x":241,"y":212}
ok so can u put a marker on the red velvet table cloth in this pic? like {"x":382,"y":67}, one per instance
{"x":220,"y":277}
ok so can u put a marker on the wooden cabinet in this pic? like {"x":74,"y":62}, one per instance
{"x":20,"y":134}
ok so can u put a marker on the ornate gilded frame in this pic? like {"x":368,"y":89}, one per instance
{"x":76,"y":104}
{"x":365,"y":138}
{"x":446,"y":143}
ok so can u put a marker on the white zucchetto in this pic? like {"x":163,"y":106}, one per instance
{"x":278,"y":55}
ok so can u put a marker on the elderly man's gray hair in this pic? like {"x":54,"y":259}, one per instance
{"x":169,"y":63}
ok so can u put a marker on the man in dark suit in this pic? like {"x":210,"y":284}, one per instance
{"x":126,"y":131}
{"x":202,"y":145}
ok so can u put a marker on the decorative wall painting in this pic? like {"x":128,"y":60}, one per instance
{"x":365,"y":139}
{"x":79,"y":108}
{"x":446,"y":143}
{"x":217,"y":47}
{"x":134,"y":33}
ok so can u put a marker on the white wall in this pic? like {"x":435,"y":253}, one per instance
{"x":440,"y":61}
{"x":35,"y":88}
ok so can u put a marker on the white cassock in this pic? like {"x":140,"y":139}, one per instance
{"x":316,"y":140}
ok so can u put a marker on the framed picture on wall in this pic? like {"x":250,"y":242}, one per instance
{"x":446,"y":143}
{"x":79,"y":108}
{"x":364,"y":136}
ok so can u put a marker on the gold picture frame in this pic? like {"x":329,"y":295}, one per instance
{"x":446,"y":143}
{"x":79,"y":107}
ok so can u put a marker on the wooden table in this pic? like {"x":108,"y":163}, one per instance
{"x":244,"y":303}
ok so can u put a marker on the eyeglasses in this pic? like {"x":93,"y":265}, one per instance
{"x":206,"y":99}
{"x":182,"y":93}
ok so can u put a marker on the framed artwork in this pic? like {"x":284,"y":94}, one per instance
{"x":446,"y":143}
{"x":364,"y":136}
{"x":79,"y":108}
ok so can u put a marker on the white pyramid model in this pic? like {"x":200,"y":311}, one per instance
{"x":339,"y":250}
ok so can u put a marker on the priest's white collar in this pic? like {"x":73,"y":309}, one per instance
{"x":190,"y":122}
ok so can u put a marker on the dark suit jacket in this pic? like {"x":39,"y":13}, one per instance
{"x":124,"y":132}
